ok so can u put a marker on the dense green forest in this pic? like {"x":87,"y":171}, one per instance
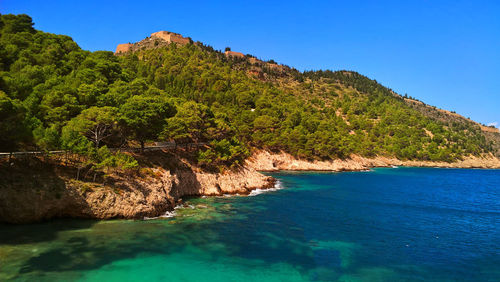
{"x":54,"y":95}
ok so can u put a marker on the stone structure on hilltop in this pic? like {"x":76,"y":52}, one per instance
{"x":123,"y":48}
{"x":234,"y":54}
{"x":171,"y":37}
{"x":157,"y":39}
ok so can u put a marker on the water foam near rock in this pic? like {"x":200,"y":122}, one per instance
{"x":277,"y":186}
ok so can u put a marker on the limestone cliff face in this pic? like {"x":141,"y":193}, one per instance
{"x":47,"y":194}
{"x":486,"y":161}
{"x":242,"y":182}
{"x":267,"y":161}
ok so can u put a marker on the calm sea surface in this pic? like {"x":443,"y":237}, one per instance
{"x":391,"y":224}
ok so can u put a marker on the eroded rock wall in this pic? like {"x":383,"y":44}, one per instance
{"x":35,"y":195}
{"x":274,"y":161}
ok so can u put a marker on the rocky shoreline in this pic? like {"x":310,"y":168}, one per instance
{"x":267,"y":161}
{"x":47,"y":193}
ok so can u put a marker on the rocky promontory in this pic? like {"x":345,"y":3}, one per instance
{"x":48,"y":191}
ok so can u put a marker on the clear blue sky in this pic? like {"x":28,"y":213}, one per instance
{"x":445,"y":53}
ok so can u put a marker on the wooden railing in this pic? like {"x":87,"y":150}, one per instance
{"x":169,"y":146}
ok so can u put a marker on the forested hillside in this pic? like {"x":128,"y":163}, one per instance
{"x":54,"y":95}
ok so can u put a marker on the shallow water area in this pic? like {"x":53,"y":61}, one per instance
{"x":388,"y":224}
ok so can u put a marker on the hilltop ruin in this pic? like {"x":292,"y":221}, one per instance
{"x":156,"y":39}
{"x":257,"y":68}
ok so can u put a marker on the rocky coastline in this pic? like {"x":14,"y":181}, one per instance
{"x":46,"y":193}
{"x":276,"y":161}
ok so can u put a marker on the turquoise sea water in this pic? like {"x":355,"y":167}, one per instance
{"x":402,"y":224}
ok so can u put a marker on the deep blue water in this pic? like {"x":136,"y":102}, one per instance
{"x":402,"y":224}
